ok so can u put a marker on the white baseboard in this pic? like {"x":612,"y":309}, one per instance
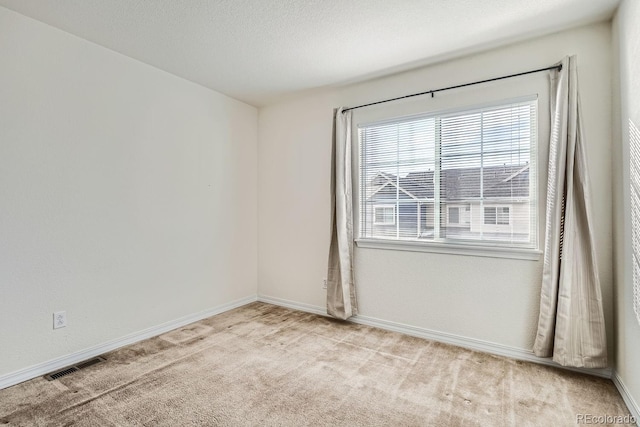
{"x":308,"y":308}
{"x":474,"y":344}
{"x":457,"y":340}
{"x":34,"y":371}
{"x":633,"y":406}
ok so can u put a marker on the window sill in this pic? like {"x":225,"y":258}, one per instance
{"x":451,"y":249}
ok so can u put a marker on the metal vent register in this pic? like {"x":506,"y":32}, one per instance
{"x":73,"y":368}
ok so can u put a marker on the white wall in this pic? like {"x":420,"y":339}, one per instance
{"x":128,"y":196}
{"x":627,"y":108}
{"x":489,"y":299}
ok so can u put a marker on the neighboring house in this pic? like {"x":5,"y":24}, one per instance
{"x":404,"y":206}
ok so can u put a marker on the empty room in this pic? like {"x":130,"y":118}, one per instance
{"x":297,"y":212}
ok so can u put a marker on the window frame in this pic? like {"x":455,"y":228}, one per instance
{"x":459,"y":246}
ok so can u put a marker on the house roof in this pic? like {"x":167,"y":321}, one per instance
{"x":461,"y":184}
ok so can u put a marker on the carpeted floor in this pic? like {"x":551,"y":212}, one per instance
{"x":262,"y":365}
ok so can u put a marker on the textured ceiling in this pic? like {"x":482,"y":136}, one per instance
{"x":260,"y":50}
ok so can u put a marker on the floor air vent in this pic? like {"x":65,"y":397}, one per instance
{"x":71,"y":369}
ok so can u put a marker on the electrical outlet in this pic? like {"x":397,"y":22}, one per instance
{"x":59,"y":319}
{"x":324,"y":283}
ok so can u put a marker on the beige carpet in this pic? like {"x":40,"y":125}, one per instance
{"x":266,"y":365}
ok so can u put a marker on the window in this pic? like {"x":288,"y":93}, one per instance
{"x":453,"y":177}
{"x":384,"y":215}
{"x":458,"y":215}
{"x":490,"y":216}
{"x":496,"y":216}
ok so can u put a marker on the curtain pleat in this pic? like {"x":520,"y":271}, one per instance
{"x":341,"y":291}
{"x":571,"y":322}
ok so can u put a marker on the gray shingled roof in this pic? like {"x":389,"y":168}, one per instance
{"x":462,"y":184}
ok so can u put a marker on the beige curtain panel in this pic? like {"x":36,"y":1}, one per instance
{"x":571,"y":323}
{"x":341,"y":291}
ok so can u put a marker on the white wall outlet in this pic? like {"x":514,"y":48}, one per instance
{"x":324,"y":283}
{"x":59,"y":319}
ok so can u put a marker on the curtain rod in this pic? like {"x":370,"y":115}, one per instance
{"x":554,"y":67}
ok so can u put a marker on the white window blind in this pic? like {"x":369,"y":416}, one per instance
{"x":634,"y":142}
{"x":459,"y":177}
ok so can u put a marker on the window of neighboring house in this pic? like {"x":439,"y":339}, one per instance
{"x":496,"y":216}
{"x":480,"y":160}
{"x":384,"y":215}
{"x":490,"y":216}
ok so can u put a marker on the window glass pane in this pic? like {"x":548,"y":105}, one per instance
{"x":454,"y":216}
{"x":397,"y":167}
{"x":503,"y":216}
